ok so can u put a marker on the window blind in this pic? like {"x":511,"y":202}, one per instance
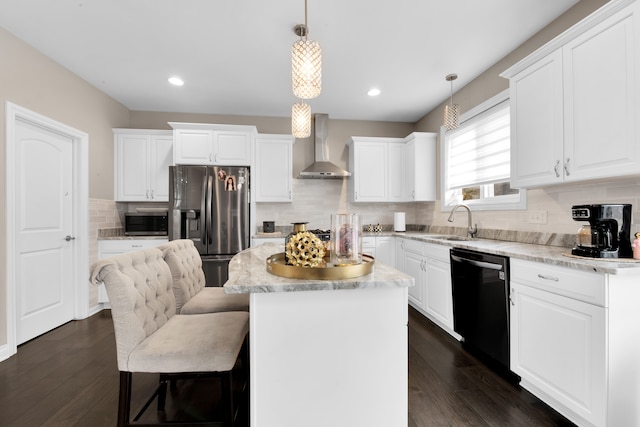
{"x":479,"y":149}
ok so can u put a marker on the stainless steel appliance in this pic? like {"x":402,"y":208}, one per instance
{"x":146,"y":223}
{"x":210,"y":205}
{"x":608,"y":234}
{"x":481,"y":305}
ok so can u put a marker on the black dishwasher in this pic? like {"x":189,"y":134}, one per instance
{"x":481,"y":304}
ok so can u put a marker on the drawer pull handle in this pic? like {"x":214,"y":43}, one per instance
{"x":553,"y":278}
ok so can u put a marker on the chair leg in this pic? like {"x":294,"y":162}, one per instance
{"x":162,"y":392}
{"x":124,"y":399}
{"x":227,"y":398}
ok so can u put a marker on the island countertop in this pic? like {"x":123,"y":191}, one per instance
{"x":248,"y":274}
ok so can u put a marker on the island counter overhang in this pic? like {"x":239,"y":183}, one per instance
{"x":324,"y":352}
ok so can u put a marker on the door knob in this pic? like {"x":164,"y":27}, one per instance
{"x":68,"y":238}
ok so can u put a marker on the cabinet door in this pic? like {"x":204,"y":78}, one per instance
{"x":193,"y":147}
{"x":131,"y":168}
{"x":232,"y":148}
{"x":420,"y":154}
{"x":369,"y":245}
{"x":160,"y":158}
{"x":274,"y":168}
{"x":396,"y":173}
{"x":439,"y":297}
{"x":537,"y":124}
{"x":415,"y":267}
{"x":558,"y":346}
{"x":370,"y":172}
{"x":601,"y":96}
{"x":385,"y":250}
{"x":400,"y":255}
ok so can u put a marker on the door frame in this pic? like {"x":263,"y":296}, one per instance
{"x":15,"y":113}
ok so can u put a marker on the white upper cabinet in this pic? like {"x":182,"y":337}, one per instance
{"x":369,"y":164}
{"x":274,"y":168}
{"x":393,"y":169}
{"x":210,"y":144}
{"x":396,"y":179}
{"x":574,"y":113}
{"x":420,"y":170}
{"x":232,"y":148}
{"x":142,"y":160}
{"x":536,"y":123}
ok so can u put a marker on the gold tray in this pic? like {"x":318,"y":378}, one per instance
{"x":277,"y":265}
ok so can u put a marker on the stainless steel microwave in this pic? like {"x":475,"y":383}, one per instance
{"x":146,"y":223}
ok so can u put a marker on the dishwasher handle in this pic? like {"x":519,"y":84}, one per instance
{"x":481,"y":264}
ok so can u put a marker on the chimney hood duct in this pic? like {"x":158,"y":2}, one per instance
{"x":322,"y":167}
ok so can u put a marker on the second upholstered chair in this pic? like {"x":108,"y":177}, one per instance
{"x":192,"y":297}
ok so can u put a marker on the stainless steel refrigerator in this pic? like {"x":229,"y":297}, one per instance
{"x":210,"y":205}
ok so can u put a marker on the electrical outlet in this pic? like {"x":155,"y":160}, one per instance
{"x":537,"y":217}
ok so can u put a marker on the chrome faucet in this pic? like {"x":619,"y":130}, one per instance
{"x":472,"y":230}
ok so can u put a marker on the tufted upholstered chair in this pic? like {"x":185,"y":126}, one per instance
{"x":192,"y":297}
{"x":151,"y":337}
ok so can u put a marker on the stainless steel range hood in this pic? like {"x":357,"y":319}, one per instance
{"x":322,"y":167}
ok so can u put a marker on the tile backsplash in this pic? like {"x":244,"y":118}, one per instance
{"x":315,"y":200}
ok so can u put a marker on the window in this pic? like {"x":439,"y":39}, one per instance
{"x":476,"y":159}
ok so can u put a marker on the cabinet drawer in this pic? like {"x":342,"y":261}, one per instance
{"x":576,"y":284}
{"x":110,"y":247}
{"x":439,"y":252}
{"x":414,"y":246}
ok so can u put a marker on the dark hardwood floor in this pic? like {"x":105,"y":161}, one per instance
{"x":69,"y":377}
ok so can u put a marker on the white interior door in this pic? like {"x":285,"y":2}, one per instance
{"x":44,"y":217}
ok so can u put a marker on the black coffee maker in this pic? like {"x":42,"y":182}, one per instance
{"x":608,"y":233}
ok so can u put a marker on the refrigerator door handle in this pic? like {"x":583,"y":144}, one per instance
{"x":203,"y":210}
{"x":209,"y":207}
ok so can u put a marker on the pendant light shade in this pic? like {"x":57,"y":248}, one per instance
{"x":451,"y":111}
{"x":306,"y":69}
{"x":301,"y":120}
{"x":306,"y":63}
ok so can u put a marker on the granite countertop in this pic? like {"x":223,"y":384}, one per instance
{"x":248,"y":274}
{"x":554,"y":255}
{"x":118,"y":234}
{"x":133,"y":237}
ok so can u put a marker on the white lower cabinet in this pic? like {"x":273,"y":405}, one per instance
{"x":108,"y":248}
{"x":386,"y":250}
{"x":429,"y":265}
{"x":369,"y":245}
{"x":382,"y":248}
{"x":439,"y":296}
{"x":415,"y":266}
{"x":574,"y":341}
{"x":557,"y":347}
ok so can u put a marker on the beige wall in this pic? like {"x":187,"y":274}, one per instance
{"x":31,"y":80}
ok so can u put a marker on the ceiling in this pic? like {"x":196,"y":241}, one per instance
{"x":234,"y":55}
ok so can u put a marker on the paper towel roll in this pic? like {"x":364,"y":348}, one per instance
{"x":399,"y":221}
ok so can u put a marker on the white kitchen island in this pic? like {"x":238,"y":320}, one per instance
{"x":324,"y":352}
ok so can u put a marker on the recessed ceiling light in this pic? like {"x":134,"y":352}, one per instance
{"x":374,"y":92}
{"x":176,"y":81}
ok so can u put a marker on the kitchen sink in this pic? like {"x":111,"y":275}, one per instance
{"x":450,"y":237}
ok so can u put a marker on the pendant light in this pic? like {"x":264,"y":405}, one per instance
{"x":301,"y":120}
{"x":451,"y":111}
{"x":306,"y":63}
